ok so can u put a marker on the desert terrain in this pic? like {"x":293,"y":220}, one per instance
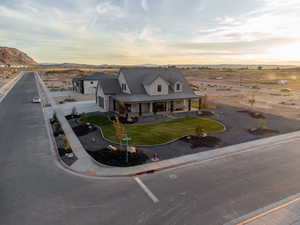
{"x":6,"y":75}
{"x":233,"y":87}
{"x":239,"y":87}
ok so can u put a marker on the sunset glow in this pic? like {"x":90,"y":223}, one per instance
{"x":165,"y":31}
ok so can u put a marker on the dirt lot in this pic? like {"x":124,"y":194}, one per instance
{"x":263,"y":78}
{"x":6,"y":75}
{"x":237,"y":87}
{"x":62,"y":78}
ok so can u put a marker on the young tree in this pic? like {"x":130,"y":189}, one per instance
{"x":262,"y":124}
{"x":204,"y":102}
{"x":122,"y":107}
{"x":120,"y":131}
{"x":200,"y":132}
{"x":66,"y":144}
{"x":252,"y":101}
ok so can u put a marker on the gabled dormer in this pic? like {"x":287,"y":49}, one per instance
{"x":178,"y":86}
{"x":123,"y":84}
{"x":156,"y":85}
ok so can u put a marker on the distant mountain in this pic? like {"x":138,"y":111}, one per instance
{"x":13,"y":56}
{"x":182,"y":66}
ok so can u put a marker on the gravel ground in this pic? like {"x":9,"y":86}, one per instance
{"x":236,"y":132}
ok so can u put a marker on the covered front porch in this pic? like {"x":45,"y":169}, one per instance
{"x":153,"y":107}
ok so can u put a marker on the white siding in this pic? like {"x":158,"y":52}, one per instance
{"x":122,"y":80}
{"x":101,"y":94}
{"x":152,"y":88}
{"x":90,"y":87}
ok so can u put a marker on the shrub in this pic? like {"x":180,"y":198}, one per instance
{"x":74,"y":111}
{"x":262,"y":124}
{"x":200,"y":132}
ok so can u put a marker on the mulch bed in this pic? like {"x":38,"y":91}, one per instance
{"x":69,"y":117}
{"x":259,"y":131}
{"x":63,"y":152}
{"x":196,"y":142}
{"x":255,"y":115}
{"x":84,"y":129}
{"x":118,"y":158}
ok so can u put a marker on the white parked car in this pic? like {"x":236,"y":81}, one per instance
{"x":36,"y":100}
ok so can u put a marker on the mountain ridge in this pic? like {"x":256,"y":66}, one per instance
{"x":13,"y":56}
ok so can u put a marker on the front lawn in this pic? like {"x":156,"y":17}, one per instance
{"x":158,"y":132}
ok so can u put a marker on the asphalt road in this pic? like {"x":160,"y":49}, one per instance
{"x":35,"y":191}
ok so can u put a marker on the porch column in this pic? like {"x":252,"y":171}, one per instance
{"x":151,"y":107}
{"x":114,"y":105}
{"x":140,"y":109}
{"x":199,"y":103}
{"x":172,"y":106}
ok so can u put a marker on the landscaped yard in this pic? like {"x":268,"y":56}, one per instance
{"x":158,"y":132}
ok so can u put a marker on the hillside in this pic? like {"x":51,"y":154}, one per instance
{"x":12,"y":56}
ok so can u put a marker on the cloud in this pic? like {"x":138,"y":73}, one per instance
{"x":110,"y":10}
{"x":145,"y":5}
{"x":144,"y":31}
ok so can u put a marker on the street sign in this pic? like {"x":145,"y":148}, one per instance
{"x":127,"y":139}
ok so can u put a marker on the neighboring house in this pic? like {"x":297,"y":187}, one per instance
{"x":87,"y":84}
{"x":146,"y":91}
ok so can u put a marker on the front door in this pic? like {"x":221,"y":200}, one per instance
{"x":159,"y":107}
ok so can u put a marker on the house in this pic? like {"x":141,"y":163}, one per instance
{"x":145,"y":91}
{"x":87,"y":84}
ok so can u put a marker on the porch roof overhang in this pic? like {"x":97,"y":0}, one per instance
{"x":154,"y":98}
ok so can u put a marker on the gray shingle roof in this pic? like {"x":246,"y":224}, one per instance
{"x":95,"y":76}
{"x":110,"y":86}
{"x":136,"y":77}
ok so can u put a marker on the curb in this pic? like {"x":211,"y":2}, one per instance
{"x":262,"y":212}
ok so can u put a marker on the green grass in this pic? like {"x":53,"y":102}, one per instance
{"x":158,"y":132}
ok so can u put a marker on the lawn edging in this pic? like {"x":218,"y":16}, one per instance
{"x":155,"y":145}
{"x":166,"y":143}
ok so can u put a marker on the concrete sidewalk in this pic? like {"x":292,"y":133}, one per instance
{"x":87,"y":165}
{"x":284,"y":212}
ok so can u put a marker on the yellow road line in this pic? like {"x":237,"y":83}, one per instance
{"x":268,"y":212}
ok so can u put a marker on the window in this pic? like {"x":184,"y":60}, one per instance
{"x":178,"y":87}
{"x":124,"y":87}
{"x":159,"y":88}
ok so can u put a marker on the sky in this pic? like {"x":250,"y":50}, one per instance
{"x":132,"y":32}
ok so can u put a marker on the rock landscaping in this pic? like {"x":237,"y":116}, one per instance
{"x":64,"y":150}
